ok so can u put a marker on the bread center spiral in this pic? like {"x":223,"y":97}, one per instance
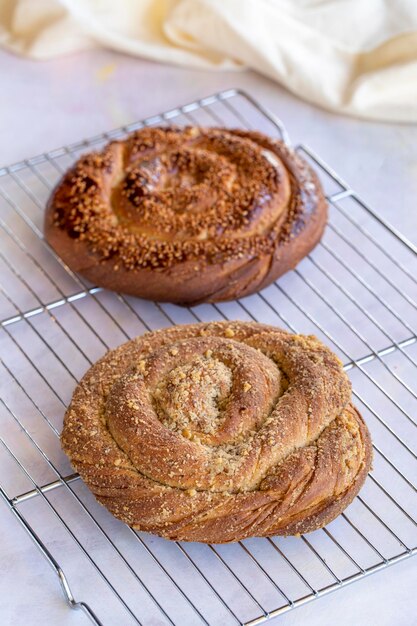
{"x":190,"y":399}
{"x":206,"y":397}
{"x":198,"y":185}
{"x":185,"y":180}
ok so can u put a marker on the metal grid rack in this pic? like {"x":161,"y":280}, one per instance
{"x":357,"y":291}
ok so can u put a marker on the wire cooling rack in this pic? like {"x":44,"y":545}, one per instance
{"x":357,"y":291}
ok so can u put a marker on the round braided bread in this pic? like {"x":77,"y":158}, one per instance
{"x":219,"y":431}
{"x":187,"y":215}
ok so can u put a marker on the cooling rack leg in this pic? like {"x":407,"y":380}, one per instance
{"x":52,"y":562}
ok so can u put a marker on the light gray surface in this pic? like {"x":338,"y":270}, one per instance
{"x":47,"y":105}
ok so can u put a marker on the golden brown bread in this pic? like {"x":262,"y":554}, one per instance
{"x":220,"y":431}
{"x":187,"y":215}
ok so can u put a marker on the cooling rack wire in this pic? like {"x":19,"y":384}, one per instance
{"x":357,"y":292}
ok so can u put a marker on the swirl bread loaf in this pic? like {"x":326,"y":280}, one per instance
{"x":187,"y":215}
{"x":220,"y":431}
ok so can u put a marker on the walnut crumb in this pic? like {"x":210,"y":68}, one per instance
{"x":174,"y":351}
{"x":186,"y":433}
{"x":208,"y":353}
{"x":117,"y":461}
{"x":141,"y":366}
{"x":191,"y":492}
{"x":246,"y":386}
{"x":229,"y":332}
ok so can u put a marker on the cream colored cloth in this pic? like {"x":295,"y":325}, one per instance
{"x":353,"y":56}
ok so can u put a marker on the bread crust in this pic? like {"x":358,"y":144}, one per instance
{"x":243,"y":210}
{"x":217,"y":432}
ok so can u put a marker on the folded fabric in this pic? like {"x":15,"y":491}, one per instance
{"x":351,"y":56}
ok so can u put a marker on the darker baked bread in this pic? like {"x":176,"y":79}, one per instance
{"x":187,"y":214}
{"x":220,"y":431}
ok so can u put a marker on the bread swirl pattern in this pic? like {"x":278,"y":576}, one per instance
{"x":216,"y":432}
{"x":187,"y":215}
